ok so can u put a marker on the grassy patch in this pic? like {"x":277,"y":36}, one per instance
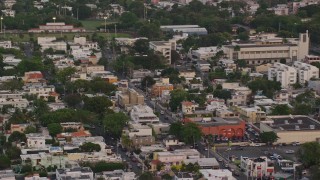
{"x":94,"y":24}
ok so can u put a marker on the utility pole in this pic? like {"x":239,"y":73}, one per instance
{"x":77,"y":13}
{"x":115,"y":30}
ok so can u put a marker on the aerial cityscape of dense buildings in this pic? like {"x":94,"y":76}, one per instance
{"x":160,"y":89}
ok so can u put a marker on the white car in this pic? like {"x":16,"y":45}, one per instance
{"x":290,"y":151}
{"x":162,"y":112}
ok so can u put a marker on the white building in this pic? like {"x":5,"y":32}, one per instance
{"x":116,"y":175}
{"x":305,"y":71}
{"x":128,"y":41}
{"x":257,"y":167}
{"x":164,"y":47}
{"x":83,"y":173}
{"x":16,"y":103}
{"x":11,"y":60}
{"x":269,"y":50}
{"x":7,"y":175}
{"x":282,"y":73}
{"x":36,"y":141}
{"x":9,"y":12}
{"x":138,"y":130}
{"x":280,"y":10}
{"x":39,"y":89}
{"x":143,"y":114}
{"x":6,"y":44}
{"x":217,"y":174}
{"x":51,"y":42}
{"x":204,"y":53}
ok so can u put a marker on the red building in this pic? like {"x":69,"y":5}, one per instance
{"x":223,"y":127}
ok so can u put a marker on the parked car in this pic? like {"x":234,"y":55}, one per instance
{"x":290,"y":151}
{"x":220,"y":159}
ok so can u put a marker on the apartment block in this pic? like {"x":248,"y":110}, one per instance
{"x":161,"y":86}
{"x":282,"y":73}
{"x":143,"y":114}
{"x":163,"y":47}
{"x":306,"y":71}
{"x":257,"y":167}
{"x":130,"y":97}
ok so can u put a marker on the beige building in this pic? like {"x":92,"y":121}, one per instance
{"x":269,"y":50}
{"x":263,"y":68}
{"x":91,"y":69}
{"x":164,"y":47}
{"x":130,"y":97}
{"x":292,"y":128}
{"x":252,"y":114}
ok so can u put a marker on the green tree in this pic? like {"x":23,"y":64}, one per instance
{"x":73,"y":100}
{"x":141,"y":46}
{"x":281,"y":109}
{"x":128,"y":19}
{"x":90,"y":147}
{"x":302,"y":109}
{"x":4,"y":162}
{"x":146,"y":176}
{"x":267,"y":87}
{"x":54,"y":129}
{"x":126,"y":141}
{"x":98,"y":104}
{"x":17,"y":136}
{"x":30,"y":129}
{"x":222,"y":94}
{"x":177,"y":96}
{"x":12,"y":85}
{"x":269,"y":137}
{"x":176,"y":129}
{"x":64,"y":75}
{"x":114,"y":123}
{"x":40,"y":107}
{"x":147,"y":81}
{"x":309,"y":154}
{"x":175,"y":56}
{"x":191,"y":133}
{"x":13,"y":152}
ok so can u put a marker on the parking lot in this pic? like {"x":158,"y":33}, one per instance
{"x":253,"y":152}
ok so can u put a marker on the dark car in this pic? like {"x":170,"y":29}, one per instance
{"x":239,"y":148}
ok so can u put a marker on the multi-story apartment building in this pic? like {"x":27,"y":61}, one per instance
{"x":311,"y":58}
{"x":161,"y":86}
{"x":280,"y":10}
{"x":252,"y":114}
{"x":269,"y":50}
{"x":305,"y":71}
{"x":130,"y":97}
{"x":282,"y":73}
{"x":257,"y":167}
{"x":164,"y":47}
{"x":143,"y":114}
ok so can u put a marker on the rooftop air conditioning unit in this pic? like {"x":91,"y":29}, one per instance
{"x":312,"y":126}
{"x":299,"y":121}
{"x":297,"y":128}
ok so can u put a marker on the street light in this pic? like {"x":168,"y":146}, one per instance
{"x":1,"y":23}
{"x":54,"y":19}
{"x":105,"y":24}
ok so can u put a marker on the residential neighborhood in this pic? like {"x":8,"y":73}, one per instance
{"x":160,"y":90}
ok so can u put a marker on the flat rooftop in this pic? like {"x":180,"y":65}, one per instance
{"x":293,"y":123}
{"x":217,"y":121}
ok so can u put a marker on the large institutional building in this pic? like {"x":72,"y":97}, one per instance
{"x":270,"y":50}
